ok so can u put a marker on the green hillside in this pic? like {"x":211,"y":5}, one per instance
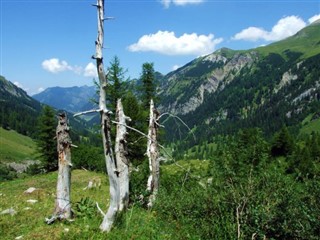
{"x":306,"y":42}
{"x":310,"y":124}
{"x":15,"y":147}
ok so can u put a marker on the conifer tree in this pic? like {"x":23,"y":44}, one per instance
{"x":116,"y":78}
{"x":148,"y":85}
{"x":46,"y":139}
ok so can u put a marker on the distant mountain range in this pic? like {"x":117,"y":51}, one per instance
{"x":20,"y":112}
{"x":71,"y":99}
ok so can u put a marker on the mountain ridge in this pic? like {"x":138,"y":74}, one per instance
{"x":264,"y":87}
{"x":72,"y":99}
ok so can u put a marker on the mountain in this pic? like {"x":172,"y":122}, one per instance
{"x":264,"y":87}
{"x":18,"y":110}
{"x":72,"y":99}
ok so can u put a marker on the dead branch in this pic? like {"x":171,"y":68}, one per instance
{"x":100,"y":210}
{"x":175,"y":116}
{"x":86,"y":112}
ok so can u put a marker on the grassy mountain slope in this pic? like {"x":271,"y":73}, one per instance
{"x":15,"y":147}
{"x":18,"y":111}
{"x":306,"y":41}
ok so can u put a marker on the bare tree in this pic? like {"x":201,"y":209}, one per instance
{"x":121,"y":156}
{"x":153,"y":154}
{"x":63,"y":204}
{"x":105,"y":127}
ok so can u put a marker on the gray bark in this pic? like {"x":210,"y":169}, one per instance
{"x":63,"y":204}
{"x":121,"y":156}
{"x":105,"y":128}
{"x":153,"y":154}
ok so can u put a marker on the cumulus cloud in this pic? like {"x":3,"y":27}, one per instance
{"x":54,"y":65}
{"x":175,"y":67}
{"x":285,"y":27}
{"x":19,"y":85}
{"x":40,"y":89}
{"x":167,"y":43}
{"x":90,"y":70}
{"x":167,"y":3}
{"x":314,"y":18}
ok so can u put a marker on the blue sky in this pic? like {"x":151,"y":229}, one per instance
{"x":46,"y":43}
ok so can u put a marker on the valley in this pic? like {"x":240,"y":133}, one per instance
{"x":239,"y":138}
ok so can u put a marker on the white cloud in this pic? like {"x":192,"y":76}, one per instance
{"x":19,"y":85}
{"x":40,"y":89}
{"x":54,"y":65}
{"x":167,"y":3}
{"x":77,"y":69}
{"x":251,"y":34}
{"x":314,"y":18}
{"x":167,"y":43}
{"x":90,"y":70}
{"x":285,"y":27}
{"x":175,"y":67}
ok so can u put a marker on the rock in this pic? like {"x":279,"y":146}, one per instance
{"x":32,"y":201}
{"x":30,"y":190}
{"x":22,"y":167}
{"x":10,"y":211}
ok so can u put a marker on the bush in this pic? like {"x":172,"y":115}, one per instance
{"x":138,"y":184}
{"x":35,"y":169}
{"x":7,"y":173}
{"x":88,"y":157}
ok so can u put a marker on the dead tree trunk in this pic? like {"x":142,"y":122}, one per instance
{"x":63,"y":204}
{"x":105,"y":127}
{"x":121,"y":156}
{"x":153,"y":154}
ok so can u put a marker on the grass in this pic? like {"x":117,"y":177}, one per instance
{"x":29,"y":220}
{"x":135,"y":223}
{"x":15,"y":147}
{"x":310,"y":125}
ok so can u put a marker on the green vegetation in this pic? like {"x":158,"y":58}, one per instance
{"x":15,"y":147}
{"x":310,"y":124}
{"x":18,"y":111}
{"x":29,"y":220}
{"x":229,"y":180}
{"x":47,"y":144}
{"x":240,"y":192}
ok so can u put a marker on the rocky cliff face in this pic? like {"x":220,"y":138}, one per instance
{"x":203,"y":76}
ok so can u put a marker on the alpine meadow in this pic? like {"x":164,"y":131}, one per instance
{"x":224,"y":146}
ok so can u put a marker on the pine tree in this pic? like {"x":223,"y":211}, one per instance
{"x":148,"y":85}
{"x":136,"y":148}
{"x":116,"y":77}
{"x":47,"y":146}
{"x":283,"y":143}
